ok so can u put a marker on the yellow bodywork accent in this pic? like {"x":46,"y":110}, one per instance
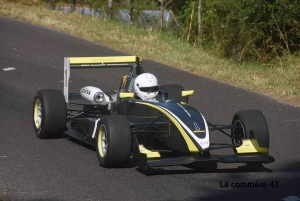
{"x":187,"y":93}
{"x":258,"y":148}
{"x":126,"y":95}
{"x":189,"y":142}
{"x":250,"y":146}
{"x":199,"y":131}
{"x":104,"y":60}
{"x":150,"y":154}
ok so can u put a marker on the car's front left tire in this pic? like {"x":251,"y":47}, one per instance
{"x":113,"y":141}
{"x":251,"y":125}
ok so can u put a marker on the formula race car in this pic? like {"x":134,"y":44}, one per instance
{"x":154,"y":125}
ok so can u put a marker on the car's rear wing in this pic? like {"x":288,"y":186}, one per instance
{"x":95,"y":62}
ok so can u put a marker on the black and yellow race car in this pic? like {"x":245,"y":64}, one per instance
{"x":164,"y":131}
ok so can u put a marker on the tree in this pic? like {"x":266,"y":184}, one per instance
{"x":199,"y":17}
{"x":73,"y":5}
{"x":111,"y":8}
{"x":161,"y":7}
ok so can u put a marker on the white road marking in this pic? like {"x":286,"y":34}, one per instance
{"x":9,"y":69}
{"x":63,"y":81}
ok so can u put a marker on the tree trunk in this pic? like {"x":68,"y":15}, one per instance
{"x":52,"y":4}
{"x":199,"y":17}
{"x":111,"y":8}
{"x":73,"y":4}
{"x":161,"y":13}
{"x":130,"y":7}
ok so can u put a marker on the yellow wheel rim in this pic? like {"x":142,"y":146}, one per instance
{"x":102,"y":141}
{"x":37,"y":114}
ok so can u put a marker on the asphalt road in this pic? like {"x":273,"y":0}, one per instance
{"x":65,"y":169}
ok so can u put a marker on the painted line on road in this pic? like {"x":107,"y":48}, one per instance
{"x":9,"y":69}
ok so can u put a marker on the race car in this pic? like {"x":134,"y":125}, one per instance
{"x":155,"y":129}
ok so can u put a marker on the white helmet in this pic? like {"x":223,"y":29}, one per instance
{"x":146,"y":86}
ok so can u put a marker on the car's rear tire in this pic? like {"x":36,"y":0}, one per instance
{"x":175,"y":90}
{"x":252,"y":125}
{"x":113,"y":141}
{"x":49,"y":113}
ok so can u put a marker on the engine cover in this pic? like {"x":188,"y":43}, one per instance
{"x":94,"y":95}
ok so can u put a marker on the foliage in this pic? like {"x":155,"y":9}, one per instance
{"x":246,"y":29}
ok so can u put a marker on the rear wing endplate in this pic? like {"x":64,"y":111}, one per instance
{"x":95,"y":62}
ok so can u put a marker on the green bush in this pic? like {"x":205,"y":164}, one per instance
{"x":258,"y":30}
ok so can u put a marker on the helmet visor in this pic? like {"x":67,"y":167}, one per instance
{"x":149,"y":89}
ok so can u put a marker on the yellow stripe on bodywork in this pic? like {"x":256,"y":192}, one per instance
{"x":250,"y":146}
{"x":150,"y":154}
{"x":199,"y":131}
{"x":104,"y":60}
{"x":189,"y":142}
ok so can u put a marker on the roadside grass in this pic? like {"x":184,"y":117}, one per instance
{"x":280,"y":81}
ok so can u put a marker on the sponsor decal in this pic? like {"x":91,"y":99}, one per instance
{"x":66,"y":80}
{"x":203,"y":143}
{"x":101,"y":60}
{"x":197,"y":129}
{"x":86,"y":91}
{"x":103,"y":64}
{"x":248,"y":145}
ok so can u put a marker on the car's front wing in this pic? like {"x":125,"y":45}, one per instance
{"x":144,"y":162}
{"x":146,"y":159}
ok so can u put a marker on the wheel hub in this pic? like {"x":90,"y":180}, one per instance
{"x":38,"y":113}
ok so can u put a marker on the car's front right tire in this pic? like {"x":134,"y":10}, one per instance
{"x":49,"y":113}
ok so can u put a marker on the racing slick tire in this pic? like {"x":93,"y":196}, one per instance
{"x":113,"y":141}
{"x":252,"y":125}
{"x":49,"y":113}
{"x":175,"y":90}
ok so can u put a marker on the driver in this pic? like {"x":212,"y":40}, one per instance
{"x":146,"y":86}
